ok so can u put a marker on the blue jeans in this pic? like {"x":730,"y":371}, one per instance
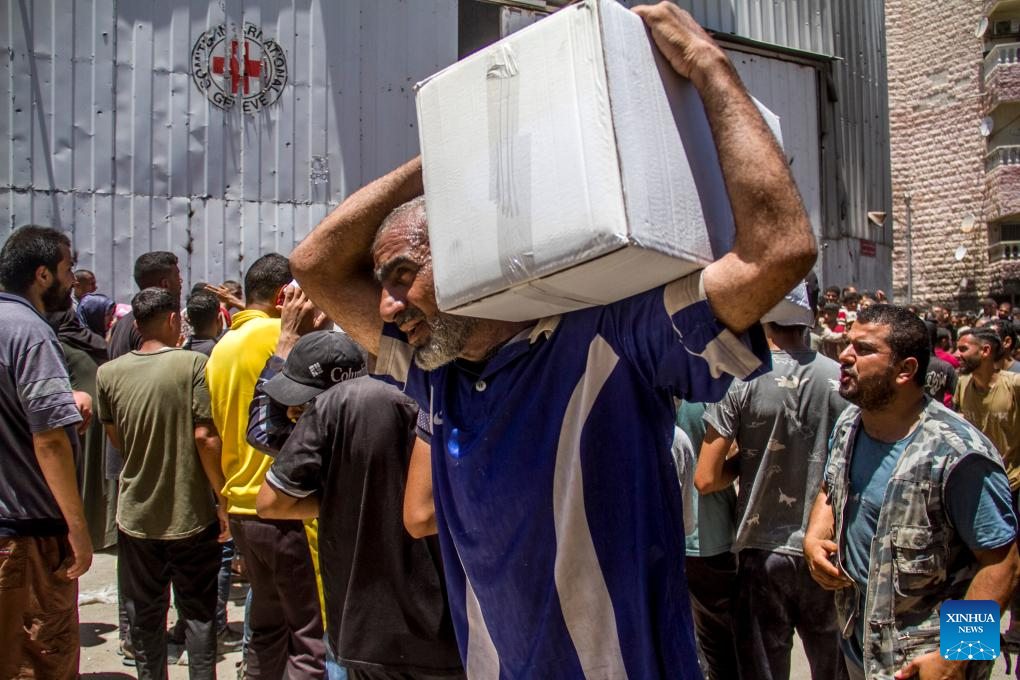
{"x":246,"y":635}
{"x":223,"y":585}
{"x":334,"y":671}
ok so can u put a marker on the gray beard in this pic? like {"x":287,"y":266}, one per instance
{"x":449,"y":335}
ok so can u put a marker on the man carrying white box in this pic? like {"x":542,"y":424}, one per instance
{"x":556,"y":500}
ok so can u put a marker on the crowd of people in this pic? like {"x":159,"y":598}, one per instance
{"x":668,"y":486}
{"x":174,"y":416}
{"x":760,"y":554}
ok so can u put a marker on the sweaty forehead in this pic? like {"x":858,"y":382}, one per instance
{"x":401,"y":241}
{"x":391,"y":244}
{"x":875,"y":334}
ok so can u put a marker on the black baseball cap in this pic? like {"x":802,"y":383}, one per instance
{"x":318,"y":361}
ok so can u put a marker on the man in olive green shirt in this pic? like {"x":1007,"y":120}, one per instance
{"x":154,"y":405}
{"x":989,"y":399}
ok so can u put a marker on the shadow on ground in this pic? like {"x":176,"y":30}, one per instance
{"x":91,"y":634}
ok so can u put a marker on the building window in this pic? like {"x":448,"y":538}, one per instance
{"x":1004,"y":241}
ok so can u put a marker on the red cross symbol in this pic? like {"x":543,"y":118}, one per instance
{"x":239,"y":70}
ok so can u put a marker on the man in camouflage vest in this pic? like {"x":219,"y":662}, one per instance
{"x":914,"y":509}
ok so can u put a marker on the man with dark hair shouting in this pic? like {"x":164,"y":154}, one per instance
{"x":154,"y":404}
{"x":557,"y":502}
{"x":914,"y":508}
{"x":44,"y":541}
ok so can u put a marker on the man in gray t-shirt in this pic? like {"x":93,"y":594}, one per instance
{"x":780,"y":423}
{"x":44,"y":541}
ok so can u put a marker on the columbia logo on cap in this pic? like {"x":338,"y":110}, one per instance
{"x":315,"y":369}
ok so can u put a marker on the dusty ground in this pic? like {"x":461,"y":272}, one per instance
{"x":99,"y":659}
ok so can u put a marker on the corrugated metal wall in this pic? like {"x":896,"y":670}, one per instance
{"x":799,"y":24}
{"x":790,"y":90}
{"x":106,"y":134}
{"x":855,"y":115}
{"x":854,"y":33}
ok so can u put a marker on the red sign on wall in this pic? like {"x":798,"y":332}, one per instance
{"x":867,"y":248}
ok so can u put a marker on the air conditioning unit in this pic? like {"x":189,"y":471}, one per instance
{"x":1005,"y":28}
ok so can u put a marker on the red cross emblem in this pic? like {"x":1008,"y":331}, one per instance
{"x":240,"y":70}
{"x":239,"y":66}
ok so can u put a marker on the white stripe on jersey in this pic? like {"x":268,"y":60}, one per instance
{"x":584,"y":596}
{"x":482,"y":661}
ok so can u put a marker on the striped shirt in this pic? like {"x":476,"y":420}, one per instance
{"x":559,"y":513}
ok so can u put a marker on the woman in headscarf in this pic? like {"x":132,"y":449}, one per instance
{"x":95,"y":311}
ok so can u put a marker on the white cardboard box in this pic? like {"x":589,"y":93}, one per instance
{"x":567,"y":166}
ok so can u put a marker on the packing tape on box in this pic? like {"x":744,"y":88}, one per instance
{"x":509,"y":167}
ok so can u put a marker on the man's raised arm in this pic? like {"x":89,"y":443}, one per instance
{"x":774,"y":247}
{"x":333,"y":264}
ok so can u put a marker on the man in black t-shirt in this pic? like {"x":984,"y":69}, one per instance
{"x":203,"y":311}
{"x":386,"y":608}
{"x":158,"y":269}
{"x":940,"y":380}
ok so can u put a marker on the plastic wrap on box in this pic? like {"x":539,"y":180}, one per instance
{"x":567,"y":166}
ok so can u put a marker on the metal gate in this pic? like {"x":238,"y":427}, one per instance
{"x":216,"y":130}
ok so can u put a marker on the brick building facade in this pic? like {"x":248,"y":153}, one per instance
{"x":954,"y":118}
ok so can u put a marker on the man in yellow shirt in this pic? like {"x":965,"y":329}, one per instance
{"x":285,"y":618}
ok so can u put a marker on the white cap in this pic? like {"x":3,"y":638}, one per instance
{"x":793,"y":310}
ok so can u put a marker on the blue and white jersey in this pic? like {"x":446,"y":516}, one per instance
{"x":559,"y":513}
